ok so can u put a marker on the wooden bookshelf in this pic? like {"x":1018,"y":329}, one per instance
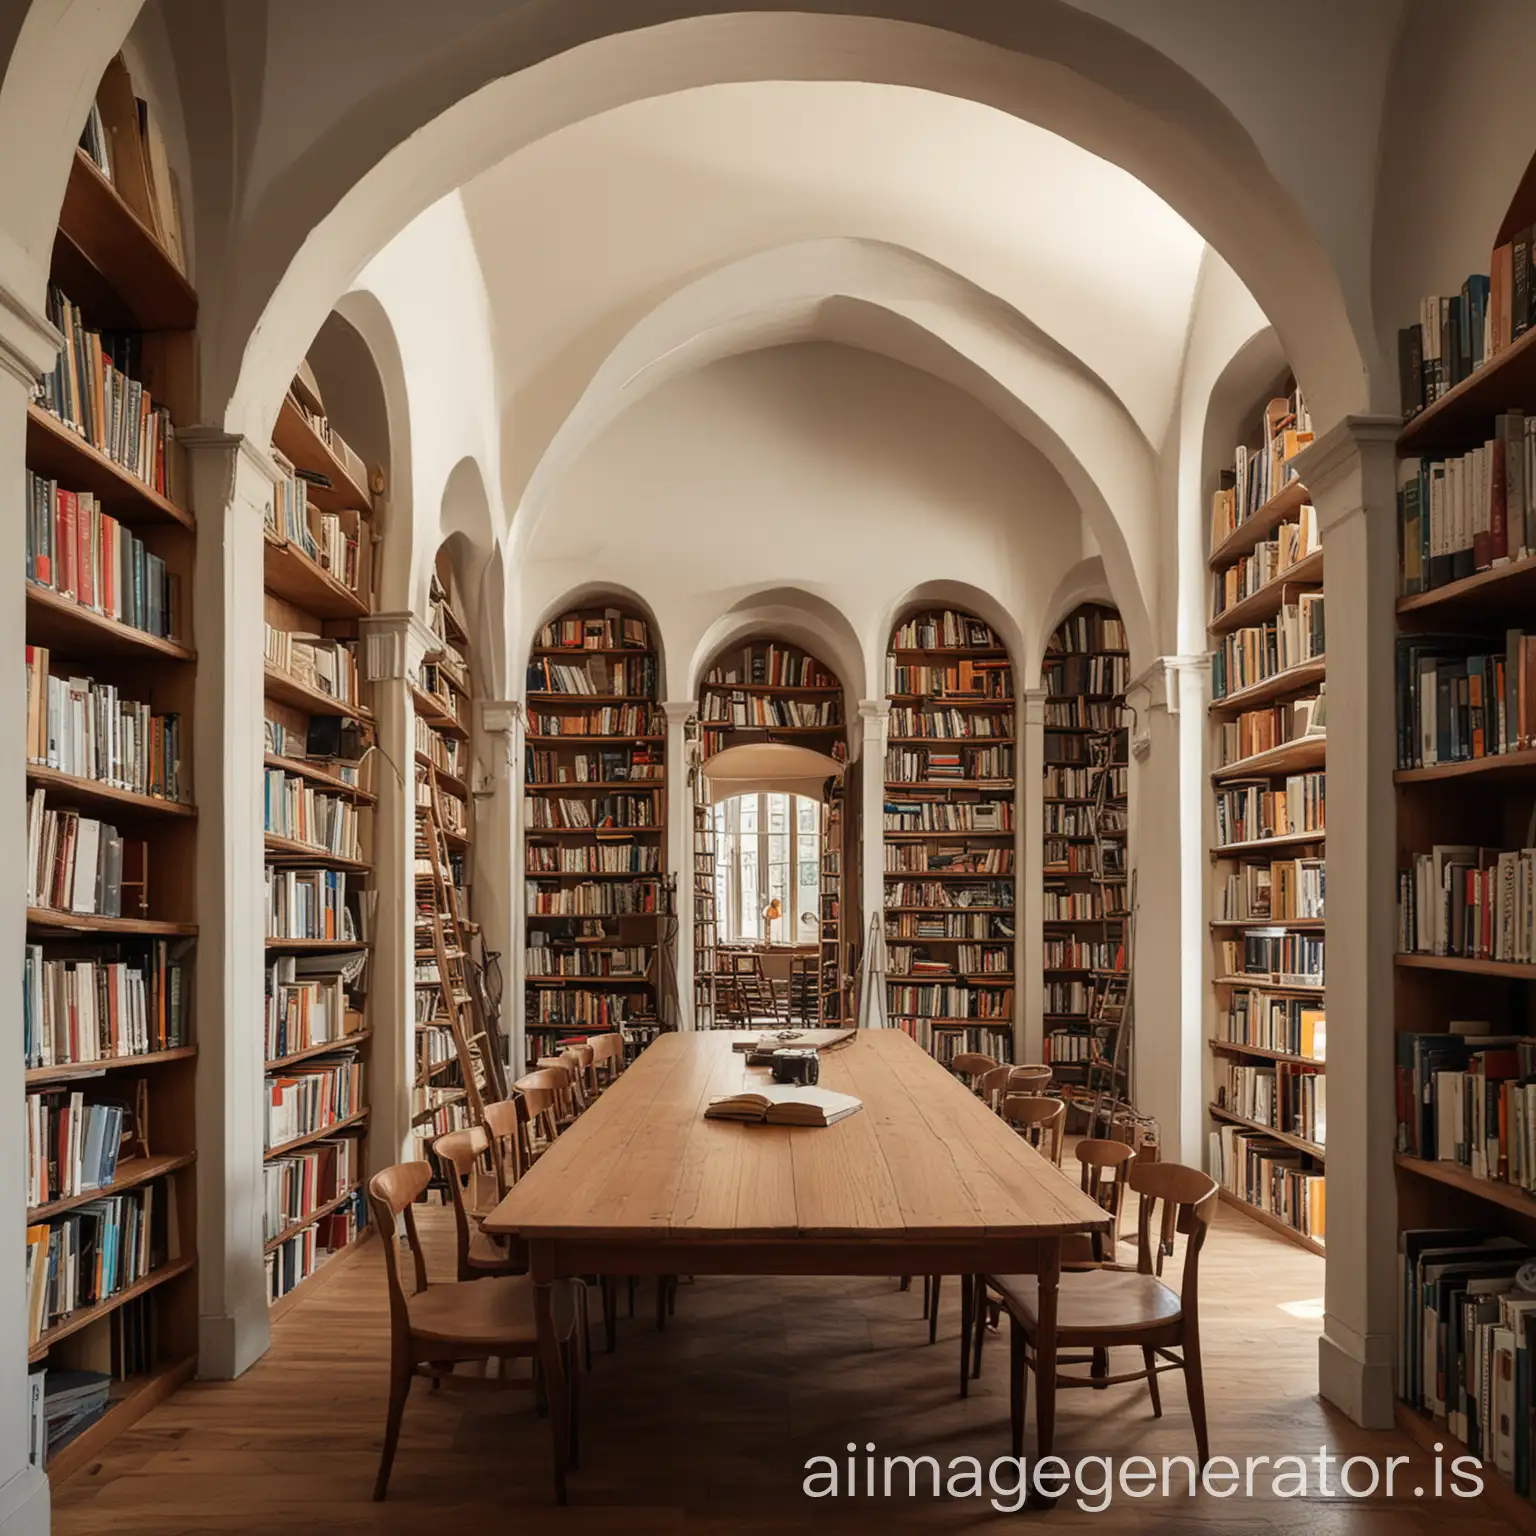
{"x":1270,"y":554}
{"x":318,"y":578}
{"x":771,"y":690}
{"x":600,"y":657}
{"x":108,"y":263}
{"x":947,"y":669}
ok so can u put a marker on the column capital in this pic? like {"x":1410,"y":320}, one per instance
{"x":499,"y":717}
{"x":29,"y":341}
{"x":1352,"y":466}
{"x":874,"y":709}
{"x":1033,"y":700}
{"x":679,"y":711}
{"x":1160,"y":682}
{"x":227,"y":469}
{"x":394,"y":645}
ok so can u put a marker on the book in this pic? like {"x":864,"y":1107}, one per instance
{"x":784,"y":1104}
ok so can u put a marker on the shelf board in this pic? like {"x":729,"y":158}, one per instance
{"x":83,"y":1317}
{"x":446,"y":778}
{"x":1264,"y":844}
{"x":609,"y":834}
{"x":959,"y":652}
{"x":293,"y":437}
{"x":1233,"y":1048}
{"x":584,"y":700}
{"x":286,"y":689}
{"x":1300,"y":1143}
{"x":1262,"y":984}
{"x":1462,"y":418}
{"x":1005,"y":911}
{"x":594,"y":786}
{"x":774,"y":730}
{"x":69,"y":1071}
{"x":1282,"y":506}
{"x":1306,"y":674}
{"x":1496,"y":1192}
{"x":589,"y":983}
{"x":291,"y":574}
{"x":131,"y":1172}
{"x":339,"y":1127}
{"x":316,"y":946}
{"x":304,"y":770}
{"x":1274,"y":1223}
{"x":433,"y":709}
{"x":1488,"y":598}
{"x":1314,"y":924}
{"x":589,"y":874}
{"x":129,"y":1401}
{"x":58,"y":452}
{"x":289,"y":850}
{"x":1268,"y":600}
{"x":324,"y":1048}
{"x":993,"y":786}
{"x":1502,"y":765}
{"x":946,"y":741}
{"x":926,"y":837}
{"x":1301,"y":755}
{"x":64,"y":626}
{"x":1498,"y":1493}
{"x":273,"y":1243}
{"x":954,"y":700}
{"x":48,"y":919}
{"x":323,"y":1271}
{"x":803,"y":690}
{"x":70,"y":789}
{"x":1510,"y":969}
{"x":572,"y":740}
{"x":592,"y":650}
{"x":954,"y":1023}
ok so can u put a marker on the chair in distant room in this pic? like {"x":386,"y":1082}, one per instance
{"x":1041,"y":1121}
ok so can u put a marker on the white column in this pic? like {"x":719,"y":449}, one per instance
{"x":393,"y":647}
{"x":1351,"y":473}
{"x":875,"y":722}
{"x":28,"y":344}
{"x":1029,"y":891}
{"x":678,"y":801}
{"x":231,"y":486}
{"x":498,"y":881}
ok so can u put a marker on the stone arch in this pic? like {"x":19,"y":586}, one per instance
{"x":1084,"y":583}
{"x":950,"y":594}
{"x":591,"y":593}
{"x":466,"y":532}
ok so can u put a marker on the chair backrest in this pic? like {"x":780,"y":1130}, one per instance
{"x":1039,"y":1120}
{"x":461,"y":1152}
{"x":1188,"y":1199}
{"x":541,"y":1093}
{"x":992,"y":1085}
{"x":972,"y":1066}
{"x":607,"y":1055}
{"x":1031,"y":1078}
{"x":391,"y":1193}
{"x":1104,"y":1171}
{"x":506,"y":1129}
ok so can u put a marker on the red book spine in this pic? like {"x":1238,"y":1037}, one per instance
{"x":85,"y":566}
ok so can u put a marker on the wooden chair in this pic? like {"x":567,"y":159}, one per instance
{"x":434,"y":1327}
{"x":507,"y":1135}
{"x":972,"y":1067}
{"x":585,"y":1058}
{"x":1030,"y":1079}
{"x":607,"y":1058}
{"x":1040,"y":1121}
{"x":992,"y":1085}
{"x":463,"y":1154}
{"x":568,"y":1096}
{"x":1104,"y":1309}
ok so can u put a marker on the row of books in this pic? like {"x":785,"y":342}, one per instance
{"x":950,"y":1000}
{"x":1290,"y":544}
{"x":905,"y":765}
{"x":1471,"y":513}
{"x":87,"y":556}
{"x":1066,"y":782}
{"x":1287,"y":1096}
{"x":763,"y":710}
{"x":593,"y":1010}
{"x":338,"y":542}
{"x":1249,"y":812}
{"x":597,"y":676}
{"x":87,"y":729}
{"x":920,"y":858}
{"x":296,"y":1258}
{"x":1079,"y":714}
{"x":1265,"y":1173}
{"x":72,"y":1146}
{"x":1085,"y":632}
{"x":1062,"y":906}
{"x":316,"y":743}
{"x":1292,"y":1026}
{"x":312,"y":904}
{"x":621,"y":765}
{"x":1456,"y":334}
{"x":114,"y":1000}
{"x":1258,"y":652}
{"x":946,"y":631}
{"x":544,"y":959}
{"x":946,"y":1039}
{"x":616,"y":898}
{"x":297,"y":1103}
{"x":949,"y":925}
{"x":1065,"y":749}
{"x":1283,"y":890}
{"x":312,"y":1000}
{"x":1083,"y":955}
{"x":609,"y":858}
{"x":609,"y":631}
{"x":1069,"y":1047}
{"x":1459,"y":699}
{"x":1467,"y":1096}
{"x":923,"y":815}
{"x":979,"y":679}
{"x":1259,"y":474}
{"x":1068,"y":857}
{"x":447,"y":753}
{"x":967,"y":960}
{"x":93,"y":388}
{"x":328,"y":666}
{"x":295,"y":1187}
{"x":78,"y":864}
{"x":1459,"y":899}
{"x":1093,"y":677}
{"x":1067,"y":997}
{"x":635,"y":720}
{"x":1278,"y":958}
{"x":770,"y":666}
{"x":1262,"y":730}
{"x":97,"y":1250}
{"x":606,"y":811}
{"x":923,"y":893}
{"x":294,"y":809}
{"x":950,"y":724}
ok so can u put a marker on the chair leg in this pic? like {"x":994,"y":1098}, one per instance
{"x":927,"y":1292}
{"x":399,"y":1390}
{"x":586,"y":1325}
{"x":979,"y":1322}
{"x":933,"y":1309}
{"x":967,"y":1307}
{"x":610,"y":1294}
{"x":572,"y":1375}
{"x":1018,"y":1388}
{"x":1194,"y":1379}
{"x":906,"y":1282}
{"x":1149,"y":1356}
{"x":1100,"y":1366}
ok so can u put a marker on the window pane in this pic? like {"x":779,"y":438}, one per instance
{"x":810,"y":859}
{"x":778,"y":813}
{"x":805,"y":813}
{"x":778,"y":890}
{"x":747,"y":805}
{"x":751,"y":906}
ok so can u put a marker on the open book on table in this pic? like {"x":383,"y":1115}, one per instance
{"x":785,"y":1104}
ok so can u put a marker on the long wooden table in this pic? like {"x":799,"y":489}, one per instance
{"x":924,"y":1180}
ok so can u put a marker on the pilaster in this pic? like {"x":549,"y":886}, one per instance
{"x":496,"y":883}
{"x":231,"y":482}
{"x":1029,"y":890}
{"x":1351,"y":474}
{"x":679,"y":841}
{"x":874,"y":731}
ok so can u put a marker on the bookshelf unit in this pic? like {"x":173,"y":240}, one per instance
{"x":1267,"y":1040}
{"x":1465,"y":973}
{"x":1085,"y":672}
{"x":949,"y":835}
{"x":442,"y":699}
{"x":109,"y":1037}
{"x":318,"y":810}
{"x":596,"y":896}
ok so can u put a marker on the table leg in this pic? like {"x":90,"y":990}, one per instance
{"x":541,"y":1265}
{"x":1045,"y":1356}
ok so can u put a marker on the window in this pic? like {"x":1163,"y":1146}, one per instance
{"x":768,"y":848}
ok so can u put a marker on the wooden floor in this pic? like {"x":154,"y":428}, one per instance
{"x":707,"y":1427}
